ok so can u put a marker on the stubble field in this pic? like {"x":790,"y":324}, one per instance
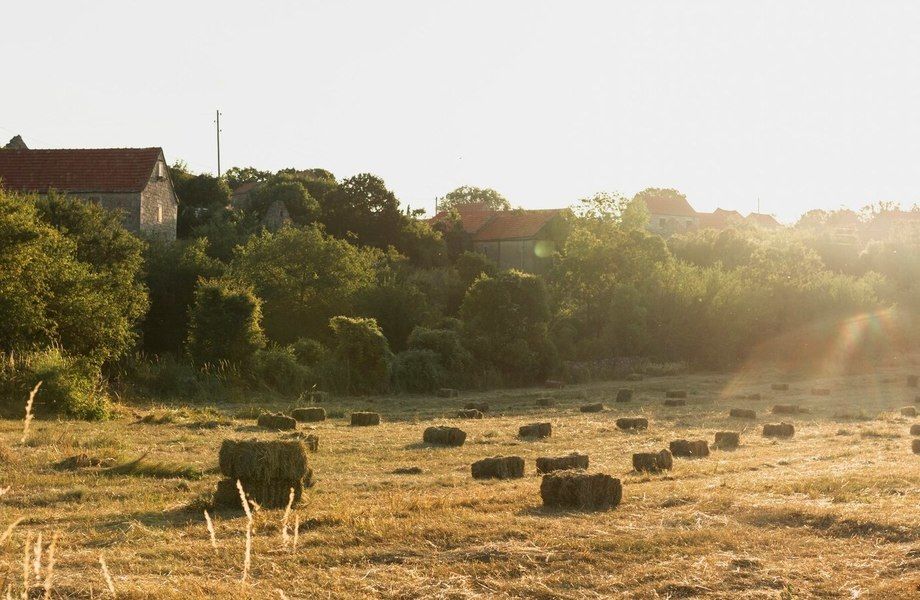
{"x":833,"y":512}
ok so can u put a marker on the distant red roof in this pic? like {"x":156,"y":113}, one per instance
{"x":719,"y":219}
{"x":485,"y":224}
{"x":516,"y":224}
{"x":676,"y":206}
{"x":78,"y":170}
{"x":762,"y":220}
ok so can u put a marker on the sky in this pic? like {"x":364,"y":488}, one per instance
{"x":800,"y":105}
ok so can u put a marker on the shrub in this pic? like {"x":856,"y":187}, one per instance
{"x":225,"y":323}
{"x":446,"y":345}
{"x":309,"y":352}
{"x":360,"y":357}
{"x":277,"y":368}
{"x":71,"y":386}
{"x":417,"y":371}
{"x":397,"y":308}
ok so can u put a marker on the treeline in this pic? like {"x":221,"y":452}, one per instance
{"x":358,"y":296}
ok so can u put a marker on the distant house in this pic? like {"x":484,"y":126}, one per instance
{"x":133,"y":181}
{"x":671,"y":214}
{"x":515,"y":239}
{"x":763,"y":221}
{"x":276,"y":214}
{"x":720,"y":219}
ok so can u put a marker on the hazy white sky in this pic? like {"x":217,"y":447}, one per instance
{"x":804,"y":105}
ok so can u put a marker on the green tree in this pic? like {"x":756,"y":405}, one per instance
{"x":361,"y":356}
{"x":506,"y":321}
{"x":224,"y":323}
{"x":292,"y":193}
{"x":201,"y":197}
{"x":172,"y":274}
{"x":474,"y":195}
{"x":237,"y":176}
{"x":304,"y":277}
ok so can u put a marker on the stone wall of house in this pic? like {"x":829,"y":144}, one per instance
{"x":523,"y":255}
{"x":127,"y":204}
{"x":158,"y":210}
{"x":670,"y":224}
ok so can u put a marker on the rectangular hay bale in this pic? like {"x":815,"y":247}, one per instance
{"x":536,"y":430}
{"x":469,"y":413}
{"x":592,"y":408}
{"x":782,"y":430}
{"x":653,"y":462}
{"x":443,"y":435}
{"x":690,"y":448}
{"x":632,"y":423}
{"x":582,"y":491}
{"x":309,"y":414}
{"x":365,"y":419}
{"x":624,"y":395}
{"x":276,"y":421}
{"x":743,"y":413}
{"x":258,"y":460}
{"x":498,"y":467}
{"x":727,"y":440}
{"x":548,"y":464}
{"x":274,"y":494}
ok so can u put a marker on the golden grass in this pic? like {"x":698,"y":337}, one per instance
{"x":818,"y":515}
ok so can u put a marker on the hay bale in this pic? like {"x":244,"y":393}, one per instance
{"x":908,"y":411}
{"x":365,"y":419}
{"x":754,"y":396}
{"x":743,"y":413}
{"x":779,"y":387}
{"x":820,"y":392}
{"x":786,"y":409}
{"x":675,"y":402}
{"x":690,"y":448}
{"x":258,"y":460}
{"x":632,"y":423}
{"x":443,"y":435}
{"x":913,"y":381}
{"x":635,"y":377}
{"x":545,"y":401}
{"x":536,"y":430}
{"x":448,"y":393}
{"x":653,"y":462}
{"x":480,"y":406}
{"x":407,"y":471}
{"x":273,"y":494}
{"x":498,"y":467}
{"x":276,"y":421}
{"x":469,"y":413}
{"x":675,"y":394}
{"x":554,"y":384}
{"x":592,"y":408}
{"x":583,"y":491}
{"x":624,"y":395}
{"x":309,"y":414}
{"x":915,"y":445}
{"x":783,"y":430}
{"x":915,"y":429}
{"x":727,"y":440}
{"x":548,"y":464}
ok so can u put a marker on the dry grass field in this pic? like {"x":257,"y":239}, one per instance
{"x":833,"y":512}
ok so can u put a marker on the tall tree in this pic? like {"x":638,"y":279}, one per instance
{"x":468,"y":194}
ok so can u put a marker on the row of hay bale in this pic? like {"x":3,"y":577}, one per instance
{"x":312,"y":414}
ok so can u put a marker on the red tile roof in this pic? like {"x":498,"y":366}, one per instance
{"x":516,"y":224}
{"x":762,"y":220}
{"x":488,"y":225}
{"x":719,"y":219}
{"x":676,"y":206}
{"x":78,"y":170}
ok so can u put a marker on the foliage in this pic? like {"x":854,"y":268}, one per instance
{"x":172,"y":272}
{"x":474,"y":195}
{"x":225,"y":323}
{"x":278,"y":369}
{"x":471,"y":265}
{"x":396,"y":307}
{"x":237,"y":176}
{"x":201,"y":197}
{"x":447,"y":346}
{"x":417,"y":371}
{"x":71,"y":386}
{"x":360,"y":357}
{"x":309,"y":352}
{"x":69,"y":275}
{"x":303,"y":277}
{"x":506,"y":325}
{"x":302,"y":208}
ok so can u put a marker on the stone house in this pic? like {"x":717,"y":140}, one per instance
{"x":132,"y":181}
{"x":276,"y":214}
{"x":671,"y":214}
{"x":514,"y":239}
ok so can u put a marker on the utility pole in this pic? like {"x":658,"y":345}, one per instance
{"x":218,"y":143}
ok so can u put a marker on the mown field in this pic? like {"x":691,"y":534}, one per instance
{"x":833,"y":512}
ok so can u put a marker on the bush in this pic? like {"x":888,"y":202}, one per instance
{"x":506,"y":324}
{"x":417,"y":371}
{"x":278,"y":369}
{"x":225,"y":323}
{"x":309,"y":352}
{"x":360,"y":359}
{"x":397,"y":308}
{"x":71,"y":386}
{"x":446,"y":345}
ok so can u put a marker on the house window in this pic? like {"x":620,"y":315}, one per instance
{"x":662,"y":223}
{"x":161,"y":171}
{"x":159,"y":213}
